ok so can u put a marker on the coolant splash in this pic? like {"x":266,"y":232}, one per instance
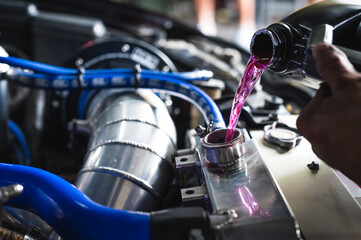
{"x":254,"y":69}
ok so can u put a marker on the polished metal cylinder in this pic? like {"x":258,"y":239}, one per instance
{"x":224,"y":155}
{"x":128,"y":161}
{"x":4,"y":132}
{"x":4,"y":135}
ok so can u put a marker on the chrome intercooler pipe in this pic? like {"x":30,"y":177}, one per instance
{"x":127,"y":165}
{"x":3,"y":104}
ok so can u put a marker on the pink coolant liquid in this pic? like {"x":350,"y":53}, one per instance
{"x":254,"y":69}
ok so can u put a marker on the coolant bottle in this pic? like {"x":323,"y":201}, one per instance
{"x":288,"y":44}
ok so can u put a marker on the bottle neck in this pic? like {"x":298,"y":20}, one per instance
{"x":273,"y":44}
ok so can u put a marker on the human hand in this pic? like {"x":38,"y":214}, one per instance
{"x":331,"y":122}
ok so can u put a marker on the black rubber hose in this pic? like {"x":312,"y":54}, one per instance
{"x":179,"y":223}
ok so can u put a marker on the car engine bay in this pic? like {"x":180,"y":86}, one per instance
{"x":111,"y":123}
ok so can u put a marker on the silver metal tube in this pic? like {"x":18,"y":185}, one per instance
{"x":4,"y":136}
{"x":132,"y":139}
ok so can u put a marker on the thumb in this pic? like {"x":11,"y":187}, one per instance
{"x":333,"y":66}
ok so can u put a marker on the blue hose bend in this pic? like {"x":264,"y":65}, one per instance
{"x":67,"y":210}
{"x":55,"y":78}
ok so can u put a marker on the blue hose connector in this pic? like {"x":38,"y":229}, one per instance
{"x":68,"y":211}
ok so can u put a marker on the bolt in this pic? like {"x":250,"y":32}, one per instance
{"x":200,"y":130}
{"x":79,"y":62}
{"x":125,"y":48}
{"x":314,"y":166}
{"x":166,"y":69}
{"x":9,"y":192}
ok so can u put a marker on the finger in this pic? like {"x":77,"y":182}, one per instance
{"x":305,"y":122}
{"x":310,"y":131}
{"x":323,"y":92}
{"x":333,"y":66}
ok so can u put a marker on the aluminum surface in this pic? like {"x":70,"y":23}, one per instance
{"x":3,"y":104}
{"x":251,"y":186}
{"x":259,"y":211}
{"x":132,"y":138}
{"x":4,"y":129}
{"x":112,"y":106}
{"x":323,"y":206}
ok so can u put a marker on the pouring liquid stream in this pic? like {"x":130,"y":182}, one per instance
{"x":254,"y":70}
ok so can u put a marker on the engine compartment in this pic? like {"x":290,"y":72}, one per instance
{"x":121,"y":103}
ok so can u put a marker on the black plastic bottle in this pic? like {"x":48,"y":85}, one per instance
{"x":288,"y":44}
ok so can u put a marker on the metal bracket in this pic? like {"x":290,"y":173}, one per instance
{"x":193,"y":193}
{"x":186,"y":161}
